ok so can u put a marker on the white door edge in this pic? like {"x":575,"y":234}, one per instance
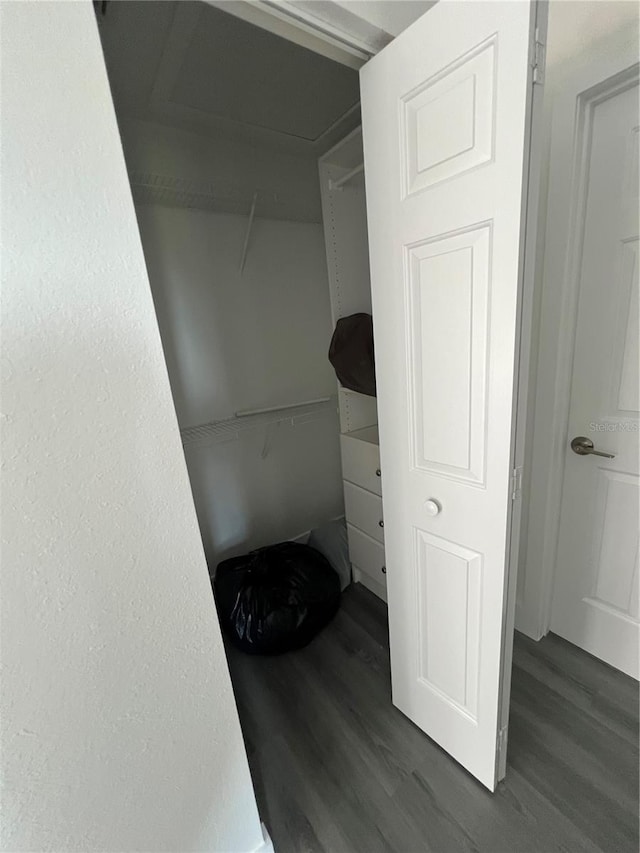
{"x":533,"y":158}
{"x":558,"y":321}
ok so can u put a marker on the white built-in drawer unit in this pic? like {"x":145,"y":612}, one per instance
{"x":367,"y":555}
{"x":363,"y":507}
{"x":361,"y":458}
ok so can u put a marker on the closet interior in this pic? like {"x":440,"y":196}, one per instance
{"x":245,"y":159}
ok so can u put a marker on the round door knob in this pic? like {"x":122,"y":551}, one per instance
{"x":378,"y":472}
{"x":381,"y":523}
{"x":384,"y":570}
{"x":432,"y":507}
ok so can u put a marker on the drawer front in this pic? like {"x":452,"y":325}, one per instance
{"x":360,"y":462}
{"x":364,"y":510}
{"x":367,"y":555}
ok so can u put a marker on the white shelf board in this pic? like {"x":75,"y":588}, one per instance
{"x":231,"y":429}
{"x":368,"y":434}
{"x":347,"y":153}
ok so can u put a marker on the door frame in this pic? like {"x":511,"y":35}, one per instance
{"x":580,"y":89}
{"x":308,"y":30}
{"x":311,"y":32}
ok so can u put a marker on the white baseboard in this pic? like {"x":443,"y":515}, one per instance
{"x":266,"y":845}
{"x":303,"y":537}
{"x":525,"y":624}
{"x":373,"y":586}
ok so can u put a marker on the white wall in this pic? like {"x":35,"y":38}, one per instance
{"x":245,"y":501}
{"x":578,"y":30}
{"x":238,"y":340}
{"x":120,"y":731}
{"x":287,"y":182}
{"x":242,"y":341}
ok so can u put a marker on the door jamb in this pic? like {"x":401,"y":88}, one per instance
{"x":301,"y":27}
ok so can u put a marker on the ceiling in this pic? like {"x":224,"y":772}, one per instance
{"x":195,"y":67}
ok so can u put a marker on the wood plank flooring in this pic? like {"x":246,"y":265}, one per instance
{"x":337,"y":769}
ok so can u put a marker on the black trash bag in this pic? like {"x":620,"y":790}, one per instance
{"x":276,"y":599}
{"x":351,"y":353}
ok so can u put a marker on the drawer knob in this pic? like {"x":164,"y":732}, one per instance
{"x":378,"y":472}
{"x":384,"y":570}
{"x":432,"y":507}
{"x":381,"y":523}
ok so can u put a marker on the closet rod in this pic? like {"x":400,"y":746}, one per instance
{"x":340,"y":182}
{"x":247,"y":412}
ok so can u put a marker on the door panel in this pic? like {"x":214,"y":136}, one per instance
{"x":445,"y":124}
{"x":448,"y":290}
{"x":447,"y":121}
{"x":449,"y":585}
{"x":595,"y":598}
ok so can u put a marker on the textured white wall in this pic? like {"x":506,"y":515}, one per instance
{"x":120,"y":731}
{"x":243,"y":341}
{"x":577,"y":27}
{"x":577,"y":31}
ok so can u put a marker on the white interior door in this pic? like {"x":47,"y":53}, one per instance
{"x":595,"y":599}
{"x":445,"y":124}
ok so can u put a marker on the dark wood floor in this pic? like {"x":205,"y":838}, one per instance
{"x":338,"y":769}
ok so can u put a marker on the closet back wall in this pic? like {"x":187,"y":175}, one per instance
{"x":236,"y":341}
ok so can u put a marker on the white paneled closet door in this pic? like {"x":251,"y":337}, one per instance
{"x":446,"y":111}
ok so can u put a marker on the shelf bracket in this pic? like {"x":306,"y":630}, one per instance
{"x":248,"y":234}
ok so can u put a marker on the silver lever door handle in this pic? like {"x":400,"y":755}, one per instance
{"x":583,"y":446}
